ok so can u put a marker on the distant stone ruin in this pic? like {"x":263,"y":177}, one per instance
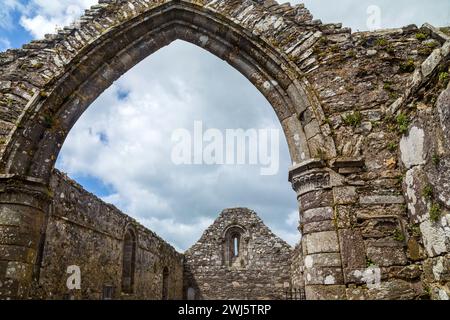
{"x":366,"y":117}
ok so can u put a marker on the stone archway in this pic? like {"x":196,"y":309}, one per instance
{"x":99,"y":57}
{"x":327,"y":86}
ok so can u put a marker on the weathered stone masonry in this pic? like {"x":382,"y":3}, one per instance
{"x":366,"y":117}
{"x":84,"y":231}
{"x":261,"y":269}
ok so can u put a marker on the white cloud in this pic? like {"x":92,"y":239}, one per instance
{"x":180,"y":232}
{"x":394,"y":14}
{"x":44,"y":17}
{"x":4,"y":44}
{"x":124,"y":140}
{"x":7,"y":7}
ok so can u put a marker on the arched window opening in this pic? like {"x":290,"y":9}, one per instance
{"x":165,"y":284}
{"x":191,"y":293}
{"x":236,"y":240}
{"x":235,"y":247}
{"x":128,"y":261}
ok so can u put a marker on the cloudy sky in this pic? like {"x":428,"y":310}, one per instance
{"x":120,"y":149}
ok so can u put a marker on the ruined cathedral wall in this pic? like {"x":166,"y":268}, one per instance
{"x":379,"y":93}
{"x":84,"y":231}
{"x":297,"y":267}
{"x":263,"y":273}
{"x":425,"y":154}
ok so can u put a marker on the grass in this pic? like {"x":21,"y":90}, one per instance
{"x":353,"y":119}
{"x":407,"y":66}
{"x":402,"y":123}
{"x":392,"y":146}
{"x":435,"y":212}
{"x":398,"y":235}
{"x":427,"y":192}
{"x":369,"y":263}
{"x":444,"y":78}
{"x":436,"y":159}
{"x":381,"y":42}
{"x":421,"y":36}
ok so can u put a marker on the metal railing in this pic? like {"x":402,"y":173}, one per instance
{"x":294,"y":294}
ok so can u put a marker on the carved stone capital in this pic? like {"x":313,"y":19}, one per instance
{"x":309,"y":175}
{"x":21,"y":190}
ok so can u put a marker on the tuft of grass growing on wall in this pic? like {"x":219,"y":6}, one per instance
{"x":398,"y":235}
{"x":381,"y":42}
{"x":436,"y":159}
{"x":421,"y":36}
{"x":435,"y":212}
{"x":402,"y":121}
{"x":427,"y":192}
{"x":407,"y":66}
{"x":392,"y":146}
{"x":444,"y":78}
{"x":353,"y":119}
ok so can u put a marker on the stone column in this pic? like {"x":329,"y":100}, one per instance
{"x":323,"y":274}
{"x":23,"y":207}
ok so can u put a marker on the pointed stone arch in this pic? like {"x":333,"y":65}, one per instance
{"x":314,"y":75}
{"x":129,"y":252}
{"x":33,"y":145}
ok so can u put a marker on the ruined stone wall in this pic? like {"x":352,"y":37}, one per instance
{"x":425,"y":161}
{"x":297,"y":267}
{"x":263,"y":274}
{"x":376,"y":89}
{"x":365,"y":117}
{"x":84,"y":231}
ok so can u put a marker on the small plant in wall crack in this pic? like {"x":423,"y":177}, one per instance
{"x":398,"y":235}
{"x":369,"y":263}
{"x":436,"y":159}
{"x":353,"y":119}
{"x":407,"y":66}
{"x":427,"y":192}
{"x":435,"y":212}
{"x":402,"y":123}
{"x":48,"y":121}
{"x":392,"y":146}
{"x":435,"y":208}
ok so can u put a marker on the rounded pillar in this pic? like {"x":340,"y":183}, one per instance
{"x":23,"y":207}
{"x":323,"y":274}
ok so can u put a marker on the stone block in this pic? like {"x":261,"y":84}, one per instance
{"x":436,"y":237}
{"x":316,"y":199}
{"x":415,"y":251}
{"x":356,"y":294}
{"x":325,"y":292}
{"x":317,"y":215}
{"x":345,"y":195}
{"x":394,"y":289}
{"x":415,"y":181}
{"x":437,"y":269}
{"x":321,"y":242}
{"x":408,"y":273}
{"x":18,"y":271}
{"x":322,"y":260}
{"x":353,"y":252}
{"x":312,"y":227}
{"x":412,"y":148}
{"x":382,"y":200}
{"x":324,"y":275}
{"x":386,"y":256}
